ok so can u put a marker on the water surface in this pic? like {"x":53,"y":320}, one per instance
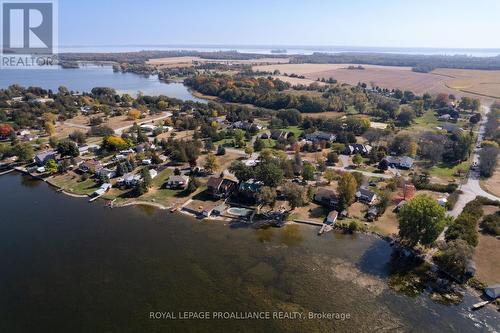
{"x":71,"y":266}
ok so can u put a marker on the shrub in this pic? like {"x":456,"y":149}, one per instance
{"x":452,"y":199}
{"x":443,"y":188}
{"x":491,"y":224}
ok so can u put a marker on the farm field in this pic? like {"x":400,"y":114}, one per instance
{"x":492,"y":184}
{"x":460,"y":82}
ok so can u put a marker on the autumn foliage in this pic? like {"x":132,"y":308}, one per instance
{"x":5,"y":130}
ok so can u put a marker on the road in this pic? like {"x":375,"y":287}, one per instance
{"x":84,"y":127}
{"x":120,"y":130}
{"x":472,"y":188}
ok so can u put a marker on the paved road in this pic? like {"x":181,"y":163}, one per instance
{"x":472,"y":188}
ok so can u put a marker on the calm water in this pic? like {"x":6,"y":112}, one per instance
{"x":90,"y":76}
{"x":71,"y":266}
{"x":291,"y":49}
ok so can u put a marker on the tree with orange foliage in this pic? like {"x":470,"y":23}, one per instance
{"x":5,"y":130}
{"x":133,"y":114}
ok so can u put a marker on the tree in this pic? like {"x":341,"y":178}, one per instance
{"x":295,"y":195}
{"x":347,"y":189}
{"x":51,"y":166}
{"x":267,"y":196}
{"x":239,"y":136}
{"x":133,"y":114}
{"x":211,"y":163}
{"x":5,"y":130}
{"x":24,"y":151}
{"x":67,"y":148}
{"x":488,"y":159}
{"x":193,"y":185}
{"x":454,"y":256}
{"x":329,"y":175}
{"x":115,"y":143}
{"x":221,"y":150}
{"x":241,"y":171}
{"x":63,"y":166}
{"x":249,"y":150}
{"x":332,"y":158}
{"x":270,"y":174}
{"x":308,"y":171}
{"x":50,"y":129}
{"x":78,"y":137}
{"x":357,"y":159}
{"x":421,"y":220}
{"x":146,"y":177}
{"x":406,"y":116}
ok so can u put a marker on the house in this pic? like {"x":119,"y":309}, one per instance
{"x":493,"y":291}
{"x":403,"y":162}
{"x":177,"y":182}
{"x":320,"y":136}
{"x":105,"y":172}
{"x":366,"y":196}
{"x":43,"y":157}
{"x":444,"y":117}
{"x":91,"y":166}
{"x":245,"y":125}
{"x":153,"y":173}
{"x":220,"y":187}
{"x":148,"y":127}
{"x":250,"y":188}
{"x":399,"y":206}
{"x":101,"y":190}
{"x":279,"y":134}
{"x":84,"y":149}
{"x":326,"y":197}
{"x":130,"y":180}
{"x":357,"y":148}
{"x":214,"y":209}
{"x":332,"y":217}
{"x":372,"y":213}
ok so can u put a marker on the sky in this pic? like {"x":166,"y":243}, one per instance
{"x":377,"y":23}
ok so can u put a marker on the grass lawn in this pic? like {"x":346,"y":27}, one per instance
{"x":447,"y":172}
{"x":427,"y":122}
{"x":71,"y":182}
{"x":295,"y":130}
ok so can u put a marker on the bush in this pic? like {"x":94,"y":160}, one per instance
{"x":491,"y":224}
{"x":452,"y":199}
{"x":443,"y":188}
{"x":465,"y":225}
{"x":353,"y":226}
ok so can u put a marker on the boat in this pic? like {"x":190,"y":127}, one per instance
{"x":325,"y":228}
{"x":479,"y":305}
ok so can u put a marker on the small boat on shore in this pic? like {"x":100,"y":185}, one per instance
{"x":479,"y":305}
{"x":325,"y":228}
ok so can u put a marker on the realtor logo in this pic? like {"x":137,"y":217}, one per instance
{"x":27,"y":28}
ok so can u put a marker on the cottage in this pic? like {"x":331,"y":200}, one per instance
{"x":91,"y":166}
{"x":493,"y":291}
{"x":326,"y":197}
{"x":220,"y":187}
{"x":372,"y":213}
{"x":366,"y":196}
{"x":130,"y":180}
{"x":403,"y":162}
{"x":357,"y":148}
{"x":279,"y":134}
{"x":44,"y":156}
{"x":332,"y":217}
{"x":320,"y":136}
{"x":177,"y":182}
{"x":101,"y":190}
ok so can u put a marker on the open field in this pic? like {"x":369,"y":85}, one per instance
{"x":492,"y":184}
{"x":189,"y":61}
{"x":487,"y":256}
{"x":461,"y":82}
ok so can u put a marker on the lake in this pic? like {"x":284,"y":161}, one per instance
{"x":71,"y":266}
{"x":89,"y":76}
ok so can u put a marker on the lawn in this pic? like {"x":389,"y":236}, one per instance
{"x":447,"y":172}
{"x":427,"y":122}
{"x":72,"y":183}
{"x":295,"y":130}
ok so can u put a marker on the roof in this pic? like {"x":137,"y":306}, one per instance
{"x":326,"y":193}
{"x":214,"y":182}
{"x":178,"y":179}
{"x":333,"y":215}
{"x":365,"y":193}
{"x":493,"y":291}
{"x":45,"y":154}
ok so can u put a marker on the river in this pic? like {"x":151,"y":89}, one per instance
{"x":89,"y":76}
{"x":71,"y":266}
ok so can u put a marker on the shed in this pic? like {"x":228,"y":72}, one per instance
{"x":493,"y":291}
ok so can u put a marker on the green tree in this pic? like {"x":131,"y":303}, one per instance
{"x":267,"y":196}
{"x":51,"y":166}
{"x":146,"y":177}
{"x":421,"y":220}
{"x":211,"y":163}
{"x":347,"y":189}
{"x":357,"y":159}
{"x":329,"y":175}
{"x":270,"y":174}
{"x":295,"y":194}
{"x":67,"y":148}
{"x":308,"y":171}
{"x":24,"y":151}
{"x":454,"y":256}
{"x":241,"y":171}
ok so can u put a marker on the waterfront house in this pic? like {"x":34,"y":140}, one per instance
{"x":250,"y":188}
{"x":43,"y":157}
{"x":372,"y":213}
{"x":213,"y":209}
{"x":220,"y":187}
{"x":366,"y":196}
{"x":179,"y":182}
{"x":105,"y":172}
{"x":101,"y":190}
{"x":403,"y":162}
{"x":90,"y":166}
{"x":332,"y":217}
{"x":320,"y":136}
{"x":326,"y":197}
{"x":493,"y":291}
